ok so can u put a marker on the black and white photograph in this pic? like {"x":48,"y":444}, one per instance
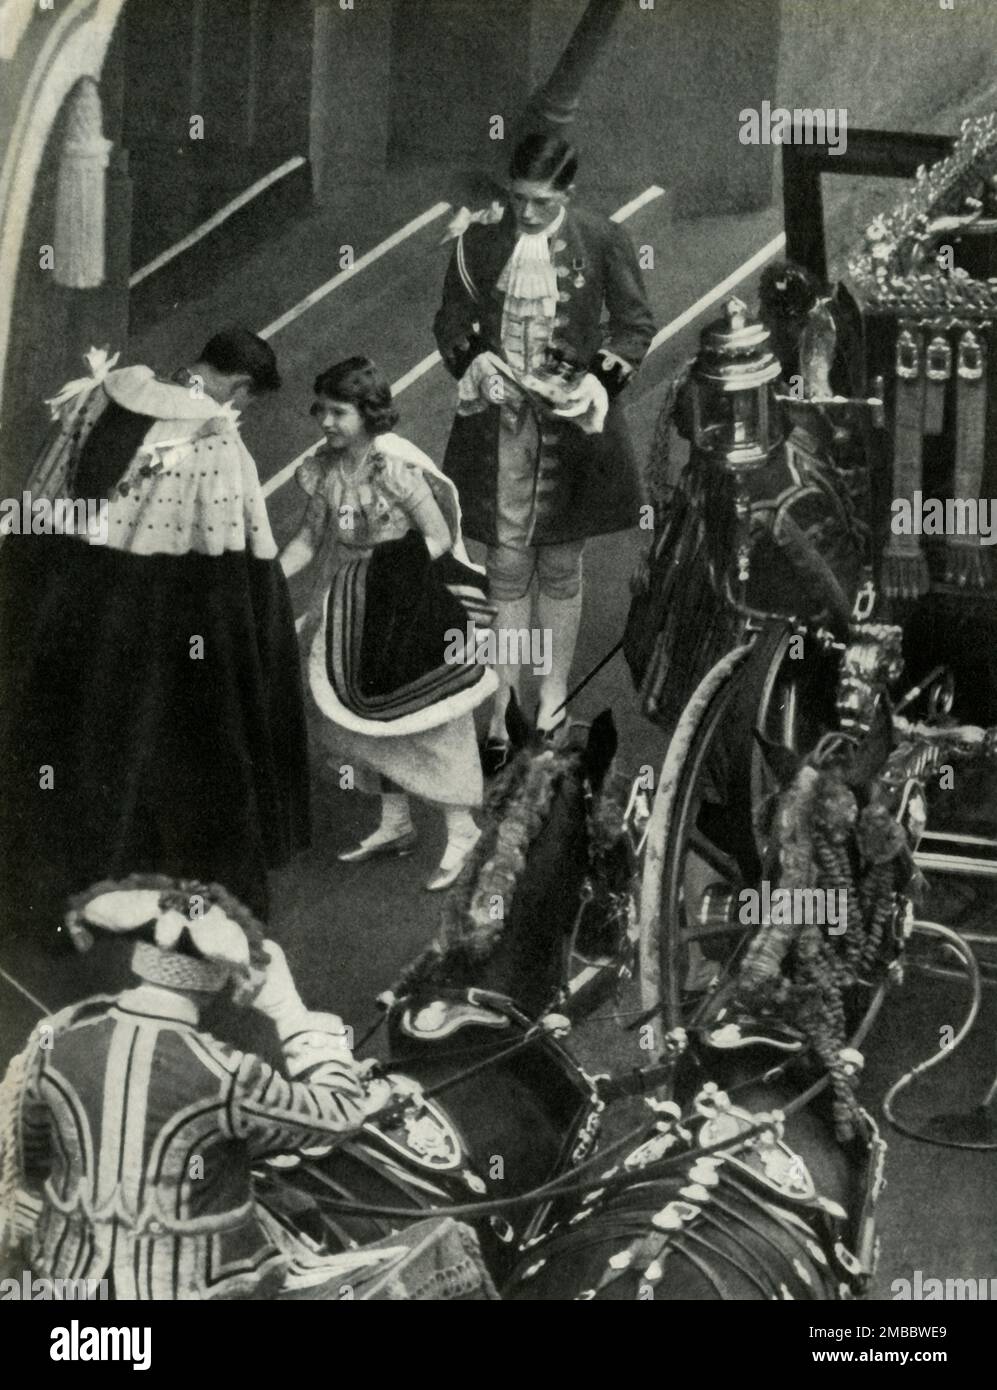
{"x":498,"y":664}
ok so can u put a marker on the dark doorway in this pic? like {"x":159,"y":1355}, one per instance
{"x":244,"y":68}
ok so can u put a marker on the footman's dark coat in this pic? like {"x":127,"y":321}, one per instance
{"x":587,"y":484}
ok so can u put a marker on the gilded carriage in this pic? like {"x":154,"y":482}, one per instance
{"x":821,"y":594}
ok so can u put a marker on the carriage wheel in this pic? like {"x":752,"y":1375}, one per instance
{"x":708,"y":830}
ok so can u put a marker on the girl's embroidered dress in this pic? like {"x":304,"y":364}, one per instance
{"x":385,"y":640}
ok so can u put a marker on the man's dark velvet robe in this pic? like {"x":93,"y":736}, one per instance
{"x":123,"y":752}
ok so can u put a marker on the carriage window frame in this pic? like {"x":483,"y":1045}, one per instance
{"x":870,"y":154}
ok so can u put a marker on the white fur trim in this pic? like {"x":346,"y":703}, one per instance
{"x":140,"y":390}
{"x":396,"y":446}
{"x":430,"y":718}
{"x":190,"y":487}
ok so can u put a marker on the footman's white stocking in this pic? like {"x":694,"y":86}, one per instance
{"x":513,"y":615}
{"x":560,"y":617}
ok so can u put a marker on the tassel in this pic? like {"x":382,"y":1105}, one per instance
{"x":905,"y":575}
{"x":79,"y":204}
{"x":905,"y":570}
{"x":937,"y":371}
{"x":966,"y":565}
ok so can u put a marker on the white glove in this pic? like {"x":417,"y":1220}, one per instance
{"x":377,"y":1094}
{"x":486,"y":382}
{"x":315,"y":1040}
{"x":279,"y":998}
{"x":587,"y":405}
{"x":382,"y":1089}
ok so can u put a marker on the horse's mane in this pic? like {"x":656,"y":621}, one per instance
{"x":517,"y":808}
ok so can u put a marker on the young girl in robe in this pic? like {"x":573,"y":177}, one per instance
{"x":389,"y":634}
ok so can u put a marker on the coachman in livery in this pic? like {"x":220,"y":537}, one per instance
{"x":129,"y":1134}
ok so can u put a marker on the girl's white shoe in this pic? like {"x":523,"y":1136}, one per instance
{"x":394,"y":835}
{"x":382,"y":844}
{"x":454,"y":858}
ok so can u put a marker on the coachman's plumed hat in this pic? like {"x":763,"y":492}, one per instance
{"x":188,"y":935}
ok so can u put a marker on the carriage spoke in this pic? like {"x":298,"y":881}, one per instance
{"x":719,"y":860}
{"x":712,"y":929}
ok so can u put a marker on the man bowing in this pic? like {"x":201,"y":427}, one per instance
{"x":152,"y":714}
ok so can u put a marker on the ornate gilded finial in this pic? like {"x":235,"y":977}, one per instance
{"x":893,"y":268}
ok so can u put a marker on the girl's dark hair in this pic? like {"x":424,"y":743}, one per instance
{"x":544,"y":159}
{"x":357,"y":381}
{"x":237,"y":352}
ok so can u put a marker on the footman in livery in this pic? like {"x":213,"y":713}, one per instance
{"x":539,"y":448}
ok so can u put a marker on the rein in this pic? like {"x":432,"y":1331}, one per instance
{"x":590,"y":675}
{"x":578,"y":1180}
{"x":525,"y":1041}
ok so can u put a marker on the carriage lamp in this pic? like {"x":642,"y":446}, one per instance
{"x":735,"y":420}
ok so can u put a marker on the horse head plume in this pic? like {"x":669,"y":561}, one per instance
{"x":549,"y":819}
{"x":601,"y":748}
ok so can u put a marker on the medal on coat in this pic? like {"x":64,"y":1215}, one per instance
{"x":577,"y":267}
